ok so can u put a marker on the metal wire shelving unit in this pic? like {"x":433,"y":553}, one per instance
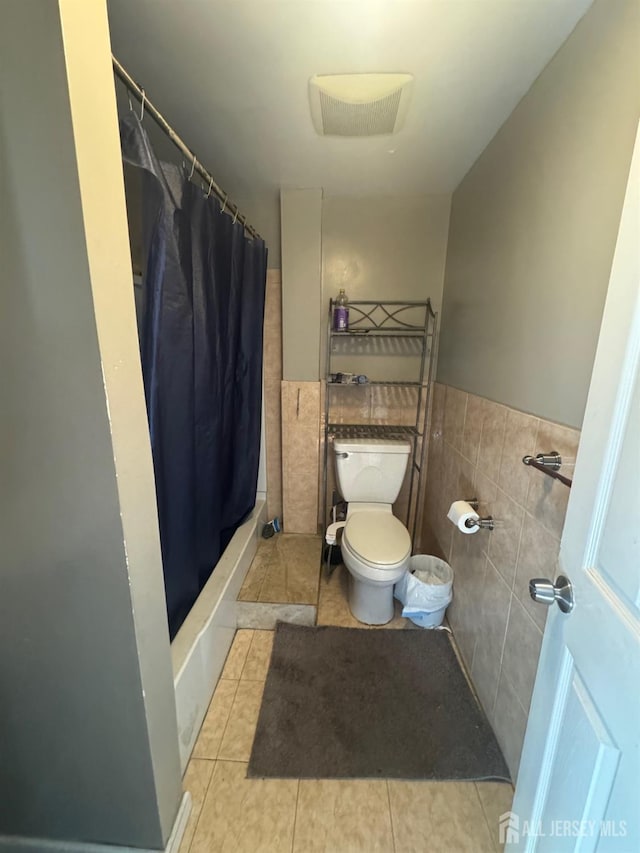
{"x":391,"y":337}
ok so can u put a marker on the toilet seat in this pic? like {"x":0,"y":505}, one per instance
{"x":379,"y":543}
{"x":377,"y":537}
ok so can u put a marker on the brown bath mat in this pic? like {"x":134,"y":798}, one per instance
{"x":348,"y":702}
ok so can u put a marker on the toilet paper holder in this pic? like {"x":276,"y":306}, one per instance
{"x":485,"y":523}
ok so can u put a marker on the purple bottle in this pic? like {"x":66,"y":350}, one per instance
{"x":341,"y":313}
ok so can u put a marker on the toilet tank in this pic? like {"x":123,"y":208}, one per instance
{"x":370,"y":470}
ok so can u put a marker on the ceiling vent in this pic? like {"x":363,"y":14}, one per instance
{"x":359,"y":104}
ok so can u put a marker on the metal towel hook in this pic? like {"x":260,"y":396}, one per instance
{"x":144,"y":97}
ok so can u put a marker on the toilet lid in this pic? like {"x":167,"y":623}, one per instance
{"x":378,"y":537}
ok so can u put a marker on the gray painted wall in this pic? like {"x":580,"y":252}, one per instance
{"x":378,"y":248}
{"x":89,"y":738}
{"x":534,"y":224}
{"x":381,"y":248}
{"x":301,"y":217}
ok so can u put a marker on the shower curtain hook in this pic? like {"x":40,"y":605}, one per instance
{"x":193,"y":167}
{"x":235,"y":218}
{"x":224,"y":203}
{"x":209,"y":190}
{"x":142,"y":105}
{"x":129,"y":99}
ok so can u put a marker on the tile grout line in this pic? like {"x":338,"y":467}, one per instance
{"x":535,"y":444}
{"x":204,"y":797}
{"x":393,"y":834}
{"x":295,"y":817}
{"x":515,"y":568}
{"x":482,"y":586}
{"x":550,"y":533}
{"x":237,"y":680}
{"x":503,"y":646}
{"x":232,"y":760}
{"x":253,"y":636}
{"x":224,"y":730}
{"x":240,"y":760}
{"x":262,"y":583}
{"x":502,"y":440}
{"x":486,"y":818}
{"x":464,"y":421}
{"x":530,"y":617}
{"x":517,"y":698}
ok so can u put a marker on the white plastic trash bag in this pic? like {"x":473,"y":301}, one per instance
{"x":425,"y":590}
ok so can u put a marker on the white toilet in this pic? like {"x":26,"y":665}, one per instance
{"x":376,"y":546}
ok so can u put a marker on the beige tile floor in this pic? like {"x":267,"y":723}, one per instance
{"x":285,"y":570}
{"x":233,"y":813}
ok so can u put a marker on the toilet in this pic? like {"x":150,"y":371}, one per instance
{"x":376,"y":546}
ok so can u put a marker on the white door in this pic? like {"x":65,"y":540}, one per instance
{"x":579,"y":783}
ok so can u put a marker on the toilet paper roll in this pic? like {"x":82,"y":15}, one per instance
{"x":459,"y":513}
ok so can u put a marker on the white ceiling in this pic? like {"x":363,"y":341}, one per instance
{"x":232,"y":78}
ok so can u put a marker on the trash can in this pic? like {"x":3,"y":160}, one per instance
{"x":425,"y":591}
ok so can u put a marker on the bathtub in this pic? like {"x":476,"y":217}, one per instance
{"x":200,"y":647}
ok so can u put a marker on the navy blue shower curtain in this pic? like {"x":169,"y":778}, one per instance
{"x":202,"y":311}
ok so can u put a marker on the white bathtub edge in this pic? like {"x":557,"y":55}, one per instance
{"x":200,"y":647}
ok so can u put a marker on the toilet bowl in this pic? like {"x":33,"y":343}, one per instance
{"x":376,"y":545}
{"x":376,"y":548}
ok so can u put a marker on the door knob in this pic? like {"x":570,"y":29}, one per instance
{"x":546,"y":592}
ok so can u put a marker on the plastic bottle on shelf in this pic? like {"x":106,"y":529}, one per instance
{"x":341,"y":313}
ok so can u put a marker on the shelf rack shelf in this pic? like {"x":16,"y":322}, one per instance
{"x":389,"y":382}
{"x":386,"y":332}
{"x":372,"y":431}
{"x":386,"y":337}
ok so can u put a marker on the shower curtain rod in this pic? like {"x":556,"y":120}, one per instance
{"x":196,"y":165}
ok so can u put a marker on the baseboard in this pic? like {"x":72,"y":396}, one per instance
{"x":179,"y":824}
{"x":17,"y":844}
